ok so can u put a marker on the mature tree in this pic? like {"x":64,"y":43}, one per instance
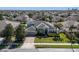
{"x":71,"y":28}
{"x":1,"y":17}
{"x":8,"y":32}
{"x":30,"y":15}
{"x":14,"y":16}
{"x":58,"y":25}
{"x":50,"y":17}
{"x":72,"y":36}
{"x":45,"y":18}
{"x":20,"y":33}
{"x":10,"y":18}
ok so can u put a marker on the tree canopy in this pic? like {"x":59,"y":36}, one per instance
{"x":20,"y":32}
{"x":8,"y":32}
{"x":1,"y":17}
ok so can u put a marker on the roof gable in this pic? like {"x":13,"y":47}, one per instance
{"x":42,"y":25}
{"x":32,"y":28}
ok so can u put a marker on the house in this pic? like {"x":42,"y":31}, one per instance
{"x":33,"y":27}
{"x":52,"y":29}
{"x":32,"y":22}
{"x":42,"y":28}
{"x":31,"y":31}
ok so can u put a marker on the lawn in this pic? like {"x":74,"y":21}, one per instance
{"x":63,"y":39}
{"x":56,"y":46}
{"x":44,"y":40}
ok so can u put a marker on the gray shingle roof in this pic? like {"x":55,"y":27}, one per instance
{"x":3,"y":24}
{"x":31,"y":29}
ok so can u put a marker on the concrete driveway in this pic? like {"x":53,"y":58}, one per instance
{"x":28,"y":43}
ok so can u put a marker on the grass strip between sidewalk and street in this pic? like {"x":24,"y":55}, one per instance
{"x":57,"y":46}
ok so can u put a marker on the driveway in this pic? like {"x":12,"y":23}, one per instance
{"x":28,"y":43}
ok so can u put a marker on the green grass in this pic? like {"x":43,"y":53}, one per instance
{"x":63,"y":39}
{"x":44,"y":40}
{"x":56,"y":46}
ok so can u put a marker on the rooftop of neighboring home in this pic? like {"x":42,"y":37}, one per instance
{"x":22,"y":17}
{"x":73,"y":17}
{"x":1,"y":39}
{"x":4,"y":23}
{"x":69,"y":23}
{"x":57,"y":18}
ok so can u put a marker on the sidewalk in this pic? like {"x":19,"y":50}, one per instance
{"x":49,"y":43}
{"x":54,"y":44}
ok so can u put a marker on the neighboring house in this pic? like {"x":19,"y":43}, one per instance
{"x":73,"y":17}
{"x":4,"y":23}
{"x":67,"y":24}
{"x":22,"y":18}
{"x":63,"y":14}
{"x":1,"y":40}
{"x":57,"y":18}
{"x":71,"y":20}
{"x":78,"y":28}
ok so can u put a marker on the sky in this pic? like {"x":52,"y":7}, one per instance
{"x":36,"y":1}
{"x":38,"y":4}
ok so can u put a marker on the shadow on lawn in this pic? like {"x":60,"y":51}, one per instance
{"x":16,"y":44}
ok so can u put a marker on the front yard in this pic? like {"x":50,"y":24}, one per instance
{"x":44,"y":40}
{"x":63,"y":39}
